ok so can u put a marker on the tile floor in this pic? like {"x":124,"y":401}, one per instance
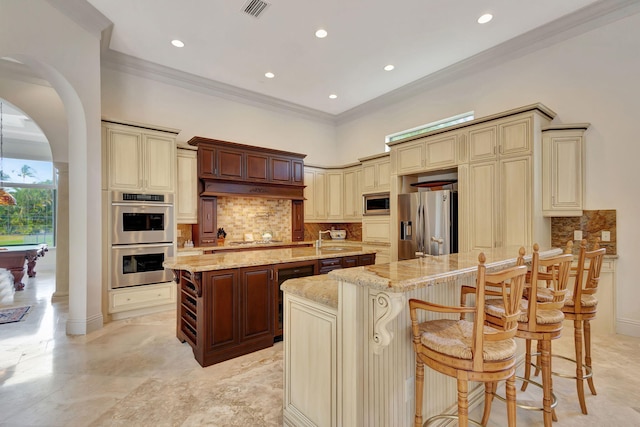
{"x":135,"y":373}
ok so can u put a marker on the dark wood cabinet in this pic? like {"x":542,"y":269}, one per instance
{"x":207,"y":162}
{"x":205,"y":232}
{"x":297,"y":220}
{"x":231,"y":164}
{"x":366,"y":259}
{"x":223,"y":314}
{"x":280,"y":170}
{"x":298,"y":172}
{"x":257,"y":167}
{"x":349,"y":261}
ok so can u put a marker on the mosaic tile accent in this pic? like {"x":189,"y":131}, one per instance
{"x":240,"y":215}
{"x":592,"y":223}
{"x":354,"y":230}
{"x":184,"y":231}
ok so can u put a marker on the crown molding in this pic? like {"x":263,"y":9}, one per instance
{"x":583,"y":20}
{"x":136,"y":66}
{"x":83,"y":14}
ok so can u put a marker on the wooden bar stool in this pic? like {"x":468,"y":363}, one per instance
{"x":470,"y":350}
{"x":580,"y":306}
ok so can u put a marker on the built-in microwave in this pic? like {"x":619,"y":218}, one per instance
{"x":376,"y":204}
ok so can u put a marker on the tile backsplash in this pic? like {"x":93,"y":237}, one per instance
{"x":240,"y":215}
{"x":591,"y":223}
{"x":354,"y":230}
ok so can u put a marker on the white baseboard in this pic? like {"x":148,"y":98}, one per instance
{"x":629,"y":327}
{"x":84,"y":326}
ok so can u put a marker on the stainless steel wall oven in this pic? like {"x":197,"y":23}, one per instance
{"x":141,"y":238}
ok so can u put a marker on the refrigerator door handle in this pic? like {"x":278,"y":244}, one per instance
{"x":420,"y":231}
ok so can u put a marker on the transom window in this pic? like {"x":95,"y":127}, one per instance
{"x":443,"y":123}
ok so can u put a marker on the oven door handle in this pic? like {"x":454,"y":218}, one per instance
{"x":138,"y":204}
{"x":143,"y":246}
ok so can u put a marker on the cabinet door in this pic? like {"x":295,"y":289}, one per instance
{"x":515,"y":200}
{"x":221,"y":322}
{"x":334,"y":195}
{"x":320,"y":194}
{"x":187,"y":192}
{"x":309,"y":195}
{"x":515,"y":137}
{"x":280,"y":170}
{"x":482,"y":205}
{"x":125,"y":159}
{"x":207,"y":222}
{"x":411,"y":157}
{"x":562,"y":173}
{"x":230,"y":164}
{"x":257,"y":167}
{"x":482,"y":143}
{"x":207,"y":162}
{"x":369,"y":177}
{"x":441,"y":152}
{"x":352,"y":197}
{"x":297,"y":221}
{"x":376,"y":230}
{"x":384,"y":175}
{"x":298,"y":172}
{"x":256,"y":302}
{"x":159,"y":163}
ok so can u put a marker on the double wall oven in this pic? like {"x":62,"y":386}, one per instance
{"x":142,"y":237}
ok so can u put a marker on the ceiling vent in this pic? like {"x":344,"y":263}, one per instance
{"x":255,"y":7}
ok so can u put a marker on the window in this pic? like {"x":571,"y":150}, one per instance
{"x":32,"y":220}
{"x":449,"y":121}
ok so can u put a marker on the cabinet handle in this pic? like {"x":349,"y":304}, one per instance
{"x":494,"y":149}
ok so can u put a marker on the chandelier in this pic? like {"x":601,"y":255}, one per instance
{"x":6,"y":199}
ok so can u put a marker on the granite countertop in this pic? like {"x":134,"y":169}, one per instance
{"x":257,"y":245}
{"x":321,"y":289}
{"x":403,"y":276}
{"x":224,"y":260}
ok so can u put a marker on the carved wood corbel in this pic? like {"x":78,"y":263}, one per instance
{"x":385,"y":307}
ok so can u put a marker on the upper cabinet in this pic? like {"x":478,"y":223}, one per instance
{"x":563,"y":169}
{"x":315,"y":192}
{"x":231,"y":162}
{"x":138,"y":158}
{"x":376,"y":173}
{"x":429,"y":153}
{"x":187,"y":189}
{"x":352,"y":193}
{"x":507,"y":137}
{"x":333,"y":194}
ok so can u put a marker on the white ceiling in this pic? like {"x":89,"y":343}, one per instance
{"x":225,"y":45}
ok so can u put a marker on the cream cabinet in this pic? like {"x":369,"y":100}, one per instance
{"x":429,"y":153}
{"x":510,"y":136}
{"x":563,"y":169}
{"x":187,"y":186}
{"x":376,"y":173}
{"x":315,"y":194}
{"x":352,"y":193}
{"x":376,"y":230}
{"x":139,"y":300}
{"x":139,"y":158}
{"x":500,"y":203}
{"x":334,"y":195}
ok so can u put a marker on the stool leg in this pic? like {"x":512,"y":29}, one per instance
{"x":463,"y":402}
{"x":545,"y":356}
{"x":489,"y":390}
{"x":539,"y":349}
{"x":587,"y":353}
{"x":418,"y":391}
{"x":511,"y":400}
{"x":577,"y":328}
{"x":527,"y":365}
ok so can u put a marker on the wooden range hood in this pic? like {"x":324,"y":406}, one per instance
{"x":228,"y":168}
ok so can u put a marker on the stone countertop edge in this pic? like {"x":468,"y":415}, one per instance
{"x":320,"y":289}
{"x":230,"y":260}
{"x":405,"y":276}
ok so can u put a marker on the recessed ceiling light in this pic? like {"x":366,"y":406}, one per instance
{"x":333,"y":96}
{"x":269,"y":75}
{"x":485,"y":18}
{"x":321,"y":33}
{"x":177,"y":43}
{"x":389,"y":67}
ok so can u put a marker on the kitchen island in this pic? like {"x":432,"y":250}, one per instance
{"x":349,"y":356}
{"x":229,"y":303}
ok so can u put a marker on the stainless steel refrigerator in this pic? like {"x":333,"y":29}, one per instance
{"x":428,"y":223}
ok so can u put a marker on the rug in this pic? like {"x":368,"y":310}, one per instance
{"x":14,"y":314}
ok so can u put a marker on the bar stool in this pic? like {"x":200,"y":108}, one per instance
{"x":469,"y":350}
{"x":580,"y":306}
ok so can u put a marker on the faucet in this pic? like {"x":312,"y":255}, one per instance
{"x":319,"y":242}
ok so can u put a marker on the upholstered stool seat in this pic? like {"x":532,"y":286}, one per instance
{"x":585,"y":300}
{"x":543,"y":317}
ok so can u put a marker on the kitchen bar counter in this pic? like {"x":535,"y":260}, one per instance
{"x":228,"y":260}
{"x":360,"y":364}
